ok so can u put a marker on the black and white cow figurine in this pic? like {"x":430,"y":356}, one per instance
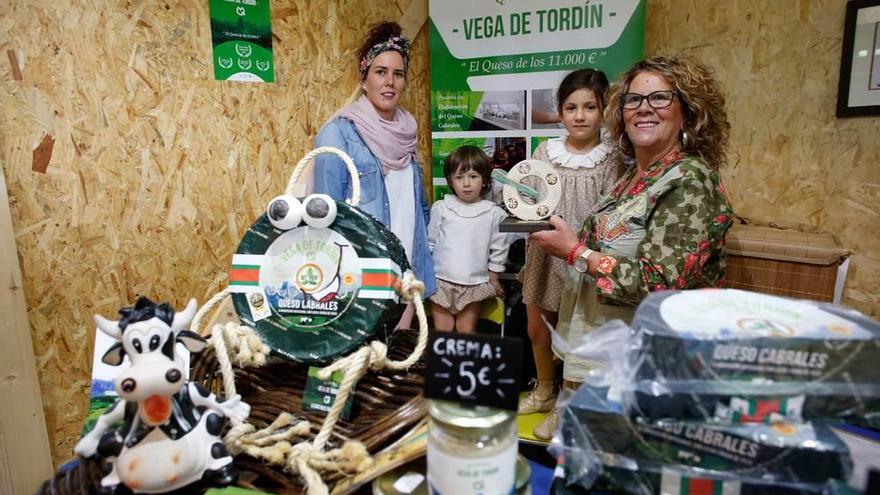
{"x":170,"y":433}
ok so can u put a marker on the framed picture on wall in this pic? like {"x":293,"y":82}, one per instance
{"x":858,"y":92}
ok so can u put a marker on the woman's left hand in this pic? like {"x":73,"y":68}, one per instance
{"x":557,"y":242}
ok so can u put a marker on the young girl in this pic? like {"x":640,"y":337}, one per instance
{"x":467,"y":249}
{"x":588,"y":170}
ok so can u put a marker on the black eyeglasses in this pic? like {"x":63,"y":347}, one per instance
{"x":657,"y":99}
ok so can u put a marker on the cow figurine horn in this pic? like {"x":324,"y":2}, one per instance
{"x":182,"y":318}
{"x":110,"y":327}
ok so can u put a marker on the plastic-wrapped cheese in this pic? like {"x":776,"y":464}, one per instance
{"x":723,"y":403}
{"x":313,"y":294}
{"x":594,"y":426}
{"x":736,"y":335}
{"x":666,"y":479}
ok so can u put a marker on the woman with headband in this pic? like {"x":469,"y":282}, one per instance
{"x":380,"y":137}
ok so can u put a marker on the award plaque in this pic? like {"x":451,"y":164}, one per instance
{"x":531,"y":192}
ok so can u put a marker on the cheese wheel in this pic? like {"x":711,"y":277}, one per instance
{"x":731,"y":334}
{"x":314,"y":294}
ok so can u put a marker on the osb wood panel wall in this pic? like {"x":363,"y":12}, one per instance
{"x":792,"y":161}
{"x":156,"y":169}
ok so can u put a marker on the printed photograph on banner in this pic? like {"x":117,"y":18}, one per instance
{"x":508,"y":151}
{"x":441,"y":148}
{"x":456,"y":111}
{"x":504,"y":151}
{"x":544,"y":114}
{"x":103,"y":390}
{"x":535,"y":141}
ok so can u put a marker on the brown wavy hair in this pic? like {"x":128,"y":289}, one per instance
{"x":591,"y":79}
{"x":705,"y":119}
{"x":466,"y":158}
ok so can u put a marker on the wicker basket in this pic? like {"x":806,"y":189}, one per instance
{"x":386,"y":405}
{"x":785,"y":262}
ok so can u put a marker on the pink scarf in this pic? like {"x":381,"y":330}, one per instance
{"x":393,"y":142}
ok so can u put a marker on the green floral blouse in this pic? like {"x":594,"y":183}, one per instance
{"x":667,"y":232}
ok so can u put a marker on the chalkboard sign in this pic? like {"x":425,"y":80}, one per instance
{"x":473,"y":369}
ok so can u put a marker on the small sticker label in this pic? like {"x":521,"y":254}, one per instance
{"x":258,"y":305}
{"x":408,"y":482}
{"x":319,"y":395}
{"x":458,"y":474}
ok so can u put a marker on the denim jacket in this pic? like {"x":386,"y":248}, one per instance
{"x":331,"y":178}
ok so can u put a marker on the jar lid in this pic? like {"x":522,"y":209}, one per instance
{"x":468,"y":416}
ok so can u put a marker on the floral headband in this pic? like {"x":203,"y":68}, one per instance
{"x":397,"y":43}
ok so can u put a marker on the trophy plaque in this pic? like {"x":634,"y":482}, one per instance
{"x":531,"y":192}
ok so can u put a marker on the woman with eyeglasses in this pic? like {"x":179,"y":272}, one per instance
{"x":664,"y":223}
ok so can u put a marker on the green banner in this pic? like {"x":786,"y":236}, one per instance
{"x":495,"y":66}
{"x":241,"y":34}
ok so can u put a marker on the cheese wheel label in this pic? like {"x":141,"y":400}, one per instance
{"x":740,"y":315}
{"x":313,"y":294}
{"x":312,"y":276}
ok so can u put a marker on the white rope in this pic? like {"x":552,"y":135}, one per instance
{"x":204,"y":310}
{"x":272,"y":443}
{"x":359,"y":361}
{"x":240,"y":343}
{"x":218,"y":340}
{"x":308,"y":459}
{"x":411,"y":289}
{"x":352,"y":171}
{"x":244,"y":345}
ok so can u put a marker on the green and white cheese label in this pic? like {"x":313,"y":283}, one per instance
{"x":316,"y":293}
{"x":720,"y":314}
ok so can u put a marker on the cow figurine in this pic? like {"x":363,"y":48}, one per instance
{"x":170,"y":428}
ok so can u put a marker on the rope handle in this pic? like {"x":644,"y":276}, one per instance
{"x":372,"y":356}
{"x":307,"y":458}
{"x":215,"y":301}
{"x":352,"y":171}
{"x":300,"y":167}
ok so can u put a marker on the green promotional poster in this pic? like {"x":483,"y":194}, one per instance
{"x":241,"y":34}
{"x":495,"y":66}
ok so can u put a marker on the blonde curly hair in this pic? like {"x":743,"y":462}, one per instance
{"x":705,"y":119}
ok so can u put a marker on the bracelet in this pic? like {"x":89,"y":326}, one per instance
{"x":573,"y":253}
{"x":586,"y":255}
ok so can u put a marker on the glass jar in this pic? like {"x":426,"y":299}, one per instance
{"x":471,"y":449}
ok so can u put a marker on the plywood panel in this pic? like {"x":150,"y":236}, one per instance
{"x":792,"y":161}
{"x":24,"y":447}
{"x":156,"y":169}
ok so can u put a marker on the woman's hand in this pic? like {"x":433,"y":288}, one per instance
{"x":557,"y":242}
{"x":496,"y":284}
